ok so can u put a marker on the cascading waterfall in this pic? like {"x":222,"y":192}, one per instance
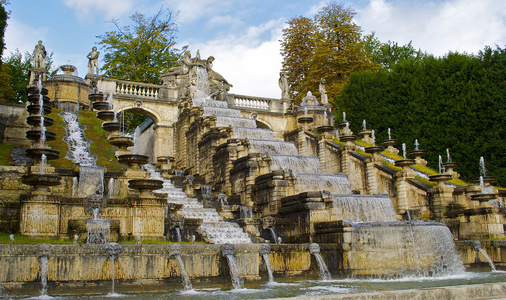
{"x":221,"y":111}
{"x":202,"y":89}
{"x":298,"y":164}
{"x":421,"y":249}
{"x":222,"y":121}
{"x":91,"y":180}
{"x":113,"y":250}
{"x":335,"y":184}
{"x":364,"y":208}
{"x":252,"y":133}
{"x":272,"y":147}
{"x":206,"y":102}
{"x":273,"y":234}
{"x":265,"y":249}
{"x":489,"y":260}
{"x":75,"y":185}
{"x":178,"y":234}
{"x":43,"y":274}
{"x":41,"y":114}
{"x":79,"y":148}
{"x":43,"y":162}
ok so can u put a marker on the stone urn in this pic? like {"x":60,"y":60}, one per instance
{"x":106,"y":115}
{"x":36,"y":153}
{"x":404,"y":162}
{"x":440,"y":178}
{"x":145,"y":186}
{"x":324,"y":129}
{"x":111,"y":127}
{"x":373,"y":149}
{"x":134,"y":161}
{"x":101,"y":105}
{"x":122,"y":142}
{"x":41,"y":182}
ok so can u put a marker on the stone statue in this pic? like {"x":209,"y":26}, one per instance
{"x":93,"y":60}
{"x":39,"y":56}
{"x":283,"y":85}
{"x":323,"y":92}
{"x":217,"y":83}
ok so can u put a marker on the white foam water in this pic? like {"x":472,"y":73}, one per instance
{"x":364,"y":208}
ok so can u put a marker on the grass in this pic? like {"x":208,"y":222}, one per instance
{"x":25,"y":240}
{"x":5,"y":151}
{"x":362,"y":143}
{"x":20,"y":239}
{"x":392,"y":166}
{"x":424,"y":169}
{"x":391,"y":155}
{"x":426,"y":181}
{"x":337,"y":141}
{"x":100,"y":146}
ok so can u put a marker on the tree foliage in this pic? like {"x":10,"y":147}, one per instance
{"x":327,"y":47}
{"x":15,"y":76}
{"x":141,"y":51}
{"x":455,"y":102}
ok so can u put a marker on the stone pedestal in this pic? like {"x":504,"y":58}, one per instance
{"x":147,"y":216}
{"x":39,"y":215}
{"x":441,"y":195}
{"x":402,"y":185}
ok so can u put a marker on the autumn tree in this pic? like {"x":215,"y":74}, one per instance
{"x":329,"y":47}
{"x":143,"y":50}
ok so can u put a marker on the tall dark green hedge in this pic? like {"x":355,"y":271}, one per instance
{"x":454,"y":102}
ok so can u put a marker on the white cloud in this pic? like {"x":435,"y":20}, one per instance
{"x":23,"y":37}
{"x":249,"y":63}
{"x":437,"y":27}
{"x":87,"y":9}
{"x":191,"y":10}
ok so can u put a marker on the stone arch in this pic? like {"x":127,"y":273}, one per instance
{"x":143,"y":111}
{"x":262,"y":124}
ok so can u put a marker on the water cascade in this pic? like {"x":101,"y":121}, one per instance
{"x":213,"y":228}
{"x":113,"y":250}
{"x":272,"y":147}
{"x":252,"y":133}
{"x":98,"y":229}
{"x":335,"y":184}
{"x":222,"y":121}
{"x":364,"y":208}
{"x":44,"y":253}
{"x":477,"y":248}
{"x":41,"y":113}
{"x":75,"y":185}
{"x":91,"y":180}
{"x":421,"y":249}
{"x":175,"y":252}
{"x":265,"y":249}
{"x":298,"y":164}
{"x":228,"y":251}
{"x":274,"y":236}
{"x":202,"y":89}
{"x":314,"y":249}
{"x":79,"y":152}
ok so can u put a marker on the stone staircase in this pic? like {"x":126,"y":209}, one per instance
{"x":213,"y":229}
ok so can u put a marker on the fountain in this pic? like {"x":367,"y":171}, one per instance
{"x":314,"y":249}
{"x":113,"y":251}
{"x":487,"y":192}
{"x":228,"y":251}
{"x":264,"y":252}
{"x":43,"y":254}
{"x":477,"y":248}
{"x":175,"y":252}
{"x":98,"y":230}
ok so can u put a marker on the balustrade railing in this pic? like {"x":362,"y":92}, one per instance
{"x":251,"y":102}
{"x":137,"y":89}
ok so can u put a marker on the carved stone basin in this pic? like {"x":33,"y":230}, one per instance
{"x":483,"y":197}
{"x":325,"y":128}
{"x":373,"y":149}
{"x":391,"y":142}
{"x":35,"y":121}
{"x":404,"y":162}
{"x":106,"y":115}
{"x":36,"y":153}
{"x":36,"y":135}
{"x":145,"y":186}
{"x":305,"y":119}
{"x":96,"y":97}
{"x":451,"y":165}
{"x":35,"y":90}
{"x":35,"y":98}
{"x":122,"y":142}
{"x":440,"y":177}
{"x":348,"y":138}
{"x":486,"y":179}
{"x":417,"y":153}
{"x":101,"y":105}
{"x":134,"y":161}
{"x":41,"y":182}
{"x":111,"y":126}
{"x":366,"y":132}
{"x":34,"y":109}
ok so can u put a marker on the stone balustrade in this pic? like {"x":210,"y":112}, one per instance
{"x":257,"y":103}
{"x":130,"y":88}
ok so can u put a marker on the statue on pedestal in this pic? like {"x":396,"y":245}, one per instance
{"x":283,"y":85}
{"x":93,"y":60}
{"x":39,"y":56}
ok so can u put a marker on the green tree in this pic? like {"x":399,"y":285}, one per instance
{"x":328,"y":47}
{"x":4,"y":15}
{"x":143,"y":50}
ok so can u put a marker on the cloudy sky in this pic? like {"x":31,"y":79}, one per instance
{"x":244,"y":35}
